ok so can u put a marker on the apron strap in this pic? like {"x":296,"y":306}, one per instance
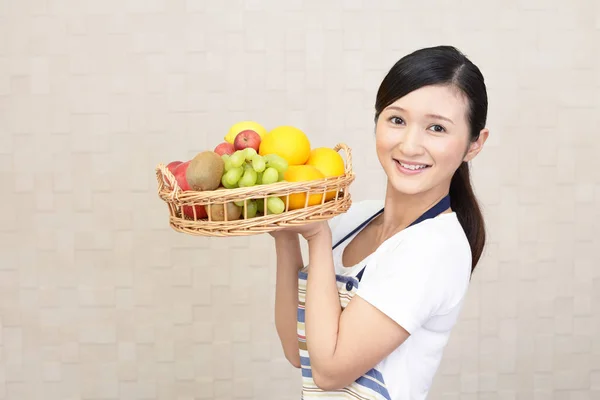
{"x":357,"y":228}
{"x":433,"y":212}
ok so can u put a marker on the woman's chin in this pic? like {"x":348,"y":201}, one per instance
{"x":401,"y":186}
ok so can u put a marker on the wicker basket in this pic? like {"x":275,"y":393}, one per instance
{"x":176,"y":199}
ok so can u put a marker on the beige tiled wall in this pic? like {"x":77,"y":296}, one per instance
{"x":100,"y":299}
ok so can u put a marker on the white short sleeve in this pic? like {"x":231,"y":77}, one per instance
{"x":423,"y":275}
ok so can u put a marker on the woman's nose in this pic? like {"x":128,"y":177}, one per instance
{"x":411,"y":142}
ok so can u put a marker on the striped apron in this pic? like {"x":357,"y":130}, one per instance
{"x":370,"y":386}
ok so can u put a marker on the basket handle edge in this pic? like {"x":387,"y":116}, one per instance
{"x":348,"y":151}
{"x":163,"y":172}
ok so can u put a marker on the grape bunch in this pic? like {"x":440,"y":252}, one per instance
{"x":245,"y":168}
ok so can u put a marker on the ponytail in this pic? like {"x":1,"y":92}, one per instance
{"x":466,"y":206}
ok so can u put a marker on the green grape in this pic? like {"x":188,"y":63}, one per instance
{"x":227,"y":162}
{"x":225,"y":184}
{"x":270,"y":176}
{"x":249,"y":178}
{"x":237,"y":159}
{"x":259,"y":177}
{"x":260,"y":205}
{"x":275,"y":205}
{"x":230,"y":178}
{"x":277,"y":162}
{"x":249,"y":152}
{"x":251,"y":209}
{"x":247,"y":166}
{"x":258,"y":163}
{"x":239,"y":203}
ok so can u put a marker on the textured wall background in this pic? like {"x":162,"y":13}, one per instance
{"x":99,"y":299}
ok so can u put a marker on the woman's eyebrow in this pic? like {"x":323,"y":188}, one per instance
{"x":436,"y":116}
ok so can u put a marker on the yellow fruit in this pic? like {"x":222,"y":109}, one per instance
{"x":329,"y":162}
{"x":242,"y":126}
{"x":288,"y":142}
{"x":303,"y":173}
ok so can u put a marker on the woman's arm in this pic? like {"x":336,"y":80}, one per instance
{"x":342,"y":345}
{"x":289,"y":261}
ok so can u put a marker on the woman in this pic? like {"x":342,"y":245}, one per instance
{"x":373,"y":316}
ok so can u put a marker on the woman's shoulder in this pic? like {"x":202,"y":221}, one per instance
{"x":433,"y":256}
{"x":424,"y":271}
{"x":441,"y":240}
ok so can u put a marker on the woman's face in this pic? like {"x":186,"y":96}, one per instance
{"x":423,"y":137}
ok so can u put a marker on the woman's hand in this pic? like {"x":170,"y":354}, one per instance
{"x":309,"y":231}
{"x":283,"y":234}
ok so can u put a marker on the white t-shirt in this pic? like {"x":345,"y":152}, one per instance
{"x":419,"y":278}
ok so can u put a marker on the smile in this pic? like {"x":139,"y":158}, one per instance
{"x":410,"y":168}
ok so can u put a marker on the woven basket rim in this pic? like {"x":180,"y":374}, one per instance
{"x":174,"y":192}
{"x":177,"y":199}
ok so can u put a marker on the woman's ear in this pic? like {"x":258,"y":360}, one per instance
{"x":476,"y":146}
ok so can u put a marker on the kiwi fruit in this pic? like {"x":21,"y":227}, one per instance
{"x":205,"y":171}
{"x":217,"y":212}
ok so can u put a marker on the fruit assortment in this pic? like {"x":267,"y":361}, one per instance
{"x":252,"y":157}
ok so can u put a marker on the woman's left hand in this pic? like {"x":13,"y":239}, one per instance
{"x":310,"y":231}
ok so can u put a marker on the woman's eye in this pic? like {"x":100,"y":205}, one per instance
{"x":438,"y":128}
{"x":396,"y":120}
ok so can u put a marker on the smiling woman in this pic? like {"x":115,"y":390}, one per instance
{"x":386,"y":281}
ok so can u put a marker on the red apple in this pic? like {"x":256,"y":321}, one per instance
{"x":247,"y":138}
{"x":179,"y":174}
{"x":188,"y":211}
{"x":224,"y":148}
{"x":171,"y":167}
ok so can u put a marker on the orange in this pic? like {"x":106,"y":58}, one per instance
{"x":288,"y":142}
{"x":329,"y":162}
{"x":303,"y":173}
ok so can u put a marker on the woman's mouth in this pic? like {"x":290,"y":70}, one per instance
{"x":410,"y":168}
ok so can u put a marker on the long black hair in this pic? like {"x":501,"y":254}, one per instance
{"x":446,"y":65}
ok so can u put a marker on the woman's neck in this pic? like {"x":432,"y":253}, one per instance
{"x":403,"y":209}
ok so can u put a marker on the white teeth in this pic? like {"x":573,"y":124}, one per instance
{"x":413,"y":167}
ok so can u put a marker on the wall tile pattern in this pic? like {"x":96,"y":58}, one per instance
{"x":100,"y":300}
